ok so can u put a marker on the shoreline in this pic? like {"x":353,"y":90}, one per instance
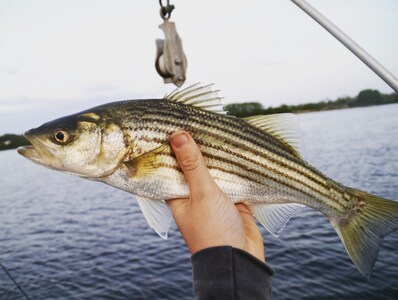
{"x":365,"y":98}
{"x":11,"y":141}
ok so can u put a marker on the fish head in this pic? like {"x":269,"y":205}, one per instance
{"x":85,"y":144}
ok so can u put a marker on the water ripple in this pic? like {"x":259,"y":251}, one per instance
{"x":65,"y":238}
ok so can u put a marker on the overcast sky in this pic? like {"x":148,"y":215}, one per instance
{"x":62,"y":56}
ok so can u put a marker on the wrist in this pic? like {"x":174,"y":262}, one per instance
{"x":213,"y":254}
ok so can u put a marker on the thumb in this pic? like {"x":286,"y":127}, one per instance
{"x":192,"y":163}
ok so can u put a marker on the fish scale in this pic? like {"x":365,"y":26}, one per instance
{"x":207,"y":131}
{"x":254,"y":160}
{"x":202,"y":132}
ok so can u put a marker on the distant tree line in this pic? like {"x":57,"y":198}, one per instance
{"x":364,"y":98}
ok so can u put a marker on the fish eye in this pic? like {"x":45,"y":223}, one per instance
{"x":61,"y":136}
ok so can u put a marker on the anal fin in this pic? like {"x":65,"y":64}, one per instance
{"x":274,"y":217}
{"x":157,"y":214}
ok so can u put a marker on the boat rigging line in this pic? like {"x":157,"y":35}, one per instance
{"x":14,"y":281}
{"x":349,"y":43}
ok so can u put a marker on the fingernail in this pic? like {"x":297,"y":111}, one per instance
{"x":178,"y":139}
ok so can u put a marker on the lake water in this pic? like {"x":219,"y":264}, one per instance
{"x":62,"y":237}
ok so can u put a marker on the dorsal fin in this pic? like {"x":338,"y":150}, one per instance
{"x":199,"y":96}
{"x":284,"y":127}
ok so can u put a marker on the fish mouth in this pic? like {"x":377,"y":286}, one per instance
{"x":34,"y":154}
{"x":29,"y":152}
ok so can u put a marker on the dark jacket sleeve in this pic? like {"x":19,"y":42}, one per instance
{"x":229,"y":273}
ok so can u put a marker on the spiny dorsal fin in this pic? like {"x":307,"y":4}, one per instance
{"x":284,"y":127}
{"x":199,"y":96}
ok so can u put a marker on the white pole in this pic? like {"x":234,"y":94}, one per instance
{"x":349,"y":43}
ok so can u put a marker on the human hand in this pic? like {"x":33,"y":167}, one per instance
{"x":208,"y":218}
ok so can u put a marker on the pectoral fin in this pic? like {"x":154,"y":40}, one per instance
{"x":157,"y":214}
{"x":274,"y":217}
{"x":146,"y":163}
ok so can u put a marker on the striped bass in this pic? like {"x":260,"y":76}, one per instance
{"x":255,"y":160}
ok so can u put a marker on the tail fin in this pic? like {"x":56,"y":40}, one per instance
{"x":362,"y":232}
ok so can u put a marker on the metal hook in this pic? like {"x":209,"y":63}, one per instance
{"x":165,"y":11}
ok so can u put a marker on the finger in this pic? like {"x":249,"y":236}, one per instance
{"x":243,"y":208}
{"x":247,"y":217}
{"x":192,"y":163}
{"x":246,"y":214}
{"x":252,"y":231}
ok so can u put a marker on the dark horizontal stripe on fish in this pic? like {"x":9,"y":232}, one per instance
{"x":187,"y":114}
{"x":258,"y":164}
{"x":249,"y":174}
{"x":275,"y":179}
{"x":244,"y":147}
{"x":199,"y":122}
{"x":213,"y":167}
{"x":241,"y":142}
{"x":243,"y":176}
{"x":281,"y":163}
{"x":233,"y":126}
